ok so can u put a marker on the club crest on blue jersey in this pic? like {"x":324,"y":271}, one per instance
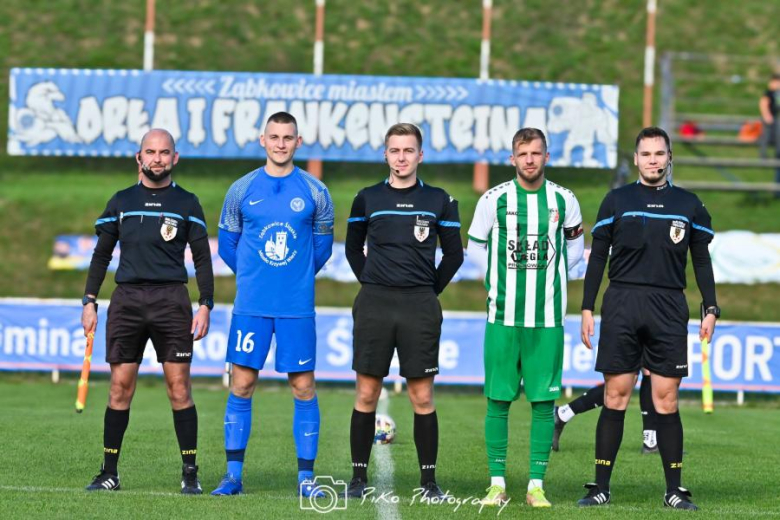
{"x":297,"y":204}
{"x":421,"y":229}
{"x":677,"y":231}
{"x":169,"y":228}
{"x":279,"y":246}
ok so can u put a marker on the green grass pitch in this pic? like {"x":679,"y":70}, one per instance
{"x":49,"y":453}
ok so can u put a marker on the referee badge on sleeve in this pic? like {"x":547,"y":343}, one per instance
{"x":677,"y":231}
{"x":169,"y":228}
{"x":421,"y":229}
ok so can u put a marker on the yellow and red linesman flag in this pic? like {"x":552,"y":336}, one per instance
{"x":706,"y":377}
{"x":83,"y":387}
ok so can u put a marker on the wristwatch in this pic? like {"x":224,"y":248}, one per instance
{"x":88,"y":299}
{"x":714,"y":310}
{"x":208,"y":302}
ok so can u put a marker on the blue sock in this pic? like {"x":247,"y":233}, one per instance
{"x":306,"y":431}
{"x":238,"y":425}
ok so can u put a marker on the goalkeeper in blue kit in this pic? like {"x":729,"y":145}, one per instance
{"x":275,"y":233}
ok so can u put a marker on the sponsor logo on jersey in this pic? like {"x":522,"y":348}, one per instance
{"x":297,"y":204}
{"x":402,"y":205}
{"x":421,"y":229}
{"x":677,"y":231}
{"x":530,"y":252}
{"x":169,"y":228}
{"x":279,"y":246}
{"x":153,"y":204}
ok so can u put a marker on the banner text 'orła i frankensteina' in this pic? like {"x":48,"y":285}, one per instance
{"x":86,"y":112}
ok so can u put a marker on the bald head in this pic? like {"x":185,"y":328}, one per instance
{"x":159,"y":133}
{"x":157,"y":157}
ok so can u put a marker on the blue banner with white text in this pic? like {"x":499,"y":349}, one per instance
{"x":47,"y":335}
{"x":104,"y":113}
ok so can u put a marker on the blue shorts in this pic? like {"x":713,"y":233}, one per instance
{"x":250,"y":341}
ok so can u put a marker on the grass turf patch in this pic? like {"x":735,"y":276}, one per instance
{"x":50,"y":453}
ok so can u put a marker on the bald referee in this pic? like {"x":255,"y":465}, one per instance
{"x":153,"y":221}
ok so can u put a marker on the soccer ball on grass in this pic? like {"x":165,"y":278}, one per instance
{"x":385,"y":429}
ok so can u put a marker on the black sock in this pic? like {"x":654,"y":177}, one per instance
{"x":426,"y":440}
{"x":670,"y":444}
{"x":646,"y":404}
{"x":361,"y":438}
{"x":591,"y":399}
{"x":114,"y":427}
{"x":185,"y":422}
{"x":609,"y":435}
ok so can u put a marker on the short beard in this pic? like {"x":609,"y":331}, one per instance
{"x":522,"y":175}
{"x":156,"y":177}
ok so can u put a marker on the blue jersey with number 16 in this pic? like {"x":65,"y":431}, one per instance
{"x":276,"y":233}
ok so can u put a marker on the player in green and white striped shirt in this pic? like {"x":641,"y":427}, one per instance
{"x":526,"y":233}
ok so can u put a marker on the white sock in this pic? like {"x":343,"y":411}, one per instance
{"x":565,"y":413}
{"x":498,"y":481}
{"x":649,"y":438}
{"x":534,"y":483}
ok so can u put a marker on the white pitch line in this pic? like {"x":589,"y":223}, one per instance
{"x":385,"y":468}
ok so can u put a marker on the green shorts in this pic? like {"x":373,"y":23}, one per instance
{"x":531,"y":355}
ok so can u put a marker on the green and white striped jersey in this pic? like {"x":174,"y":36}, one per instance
{"x":526,"y":236}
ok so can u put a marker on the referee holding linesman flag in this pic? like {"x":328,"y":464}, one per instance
{"x":153,"y":220}
{"x":400,"y":220}
{"x":650,"y":226}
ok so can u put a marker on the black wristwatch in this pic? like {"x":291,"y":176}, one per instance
{"x":208,"y":302}
{"x":713,"y":309}
{"x":88,"y":299}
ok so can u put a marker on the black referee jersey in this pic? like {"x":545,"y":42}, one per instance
{"x":650,"y":230}
{"x":153,"y":226}
{"x":401,"y":228}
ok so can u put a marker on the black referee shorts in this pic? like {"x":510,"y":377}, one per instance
{"x":137,"y":313}
{"x":388,"y":318}
{"x":643,"y":327}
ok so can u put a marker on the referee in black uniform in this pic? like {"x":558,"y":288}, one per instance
{"x":650,"y":226}
{"x":400,"y":220}
{"x":153,"y":221}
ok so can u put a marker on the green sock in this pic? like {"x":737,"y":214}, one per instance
{"x":542,"y":426}
{"x":497,"y":436}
